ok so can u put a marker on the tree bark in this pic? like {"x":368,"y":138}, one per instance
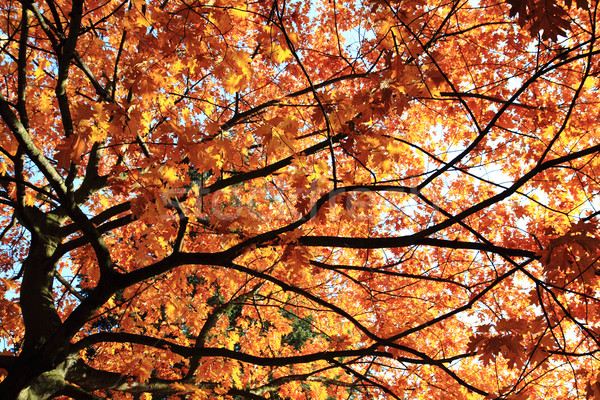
{"x":39,"y":371}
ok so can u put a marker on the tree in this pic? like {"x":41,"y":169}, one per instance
{"x":288,"y":200}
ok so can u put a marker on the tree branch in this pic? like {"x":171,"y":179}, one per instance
{"x":405,"y":241}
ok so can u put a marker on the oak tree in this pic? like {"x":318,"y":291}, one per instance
{"x":229,"y":199}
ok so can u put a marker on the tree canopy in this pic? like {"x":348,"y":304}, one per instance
{"x":229,"y":199}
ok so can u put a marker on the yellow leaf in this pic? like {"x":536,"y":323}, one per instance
{"x":280,"y":54}
{"x":169,"y":174}
{"x":170,"y":310}
{"x":237,"y":12}
{"x":321,"y":167}
{"x":234,"y":82}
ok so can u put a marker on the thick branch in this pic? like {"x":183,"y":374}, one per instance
{"x":22,"y":136}
{"x":7,"y":361}
{"x":187,"y":352}
{"x":92,"y":379}
{"x":92,"y":182}
{"x":22,"y":69}
{"x":64,"y":61}
{"x":404,"y":241}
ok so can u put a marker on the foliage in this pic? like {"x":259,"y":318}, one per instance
{"x":299,"y":199}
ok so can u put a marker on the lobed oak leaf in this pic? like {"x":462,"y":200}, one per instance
{"x":235,"y":82}
{"x":296,"y":257}
{"x":573,"y":254}
{"x":507,"y":345}
{"x":280,"y":54}
{"x":542,"y":15}
{"x":170,"y":311}
{"x":592,"y":388}
{"x":144,"y":371}
{"x":169,"y":174}
{"x":512,"y":325}
{"x":71,"y":149}
{"x":291,"y":237}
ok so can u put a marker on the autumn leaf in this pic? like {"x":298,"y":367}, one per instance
{"x":546,"y":16}
{"x":70,"y":150}
{"x":573,"y":254}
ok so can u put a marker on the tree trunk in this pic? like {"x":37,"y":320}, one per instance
{"x":36,"y":369}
